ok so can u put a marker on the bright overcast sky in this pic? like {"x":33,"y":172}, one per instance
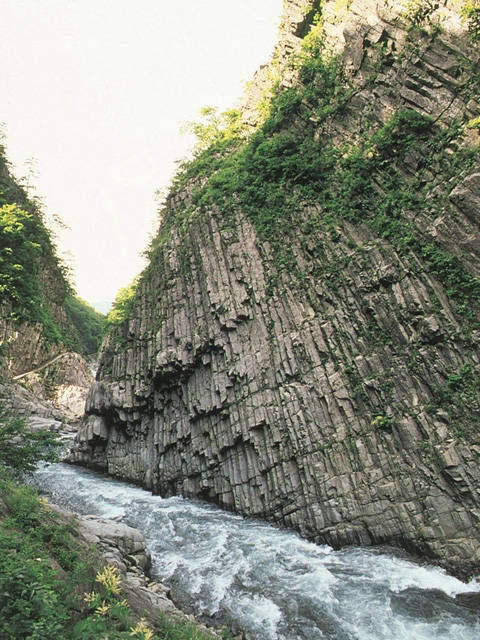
{"x":96,"y":91}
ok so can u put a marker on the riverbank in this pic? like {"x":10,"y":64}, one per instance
{"x":53,"y":561}
{"x":267,"y":582}
{"x":124,"y":548}
{"x":58,"y":553}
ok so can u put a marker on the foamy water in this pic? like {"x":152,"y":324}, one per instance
{"x":270,"y":582}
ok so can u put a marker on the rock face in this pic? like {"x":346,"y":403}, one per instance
{"x":53,"y":375}
{"x":18,"y":401}
{"x":338,"y":394}
{"x":56,"y":406}
{"x":63,"y":381}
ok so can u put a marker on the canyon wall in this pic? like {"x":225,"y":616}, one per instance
{"x":42,"y":323}
{"x":303,"y":346}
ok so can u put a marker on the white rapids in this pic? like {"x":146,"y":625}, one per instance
{"x":270,"y":582}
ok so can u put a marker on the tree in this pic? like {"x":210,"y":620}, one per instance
{"x":214,"y":127}
{"x":19,"y":254}
{"x":21,"y":449}
{"x":123,"y":304}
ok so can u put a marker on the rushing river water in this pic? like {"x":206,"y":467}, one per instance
{"x":268,"y":581}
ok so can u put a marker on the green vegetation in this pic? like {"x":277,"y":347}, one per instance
{"x":471,"y":13}
{"x":34,"y":284}
{"x":26,"y":251}
{"x":50,"y":583}
{"x":215,"y":128}
{"x":384,"y":423}
{"x":107,"y":612}
{"x":123,"y":304}
{"x":89,"y":323}
{"x":24,"y":245}
{"x":21,"y":449}
{"x":419,"y":12}
{"x":460,"y":398}
{"x":18,"y":258}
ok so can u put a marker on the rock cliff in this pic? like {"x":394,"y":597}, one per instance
{"x":303,"y":346}
{"x":42,"y":322}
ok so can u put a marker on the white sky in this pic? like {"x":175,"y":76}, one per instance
{"x":96,"y":92}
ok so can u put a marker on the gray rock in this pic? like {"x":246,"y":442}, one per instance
{"x":324,"y":407}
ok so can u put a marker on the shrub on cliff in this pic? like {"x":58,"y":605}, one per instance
{"x":471,"y":13}
{"x":123,"y":304}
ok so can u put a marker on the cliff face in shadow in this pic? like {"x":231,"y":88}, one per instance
{"x":303,"y":346}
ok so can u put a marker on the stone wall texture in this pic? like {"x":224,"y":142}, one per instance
{"x":321,"y":411}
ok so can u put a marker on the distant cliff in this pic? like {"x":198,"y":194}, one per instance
{"x":41,"y":317}
{"x":303,"y":345}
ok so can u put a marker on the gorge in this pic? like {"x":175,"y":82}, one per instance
{"x":303,"y":345}
{"x":287,"y":399}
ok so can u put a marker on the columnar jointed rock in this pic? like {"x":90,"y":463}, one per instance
{"x":327,"y":406}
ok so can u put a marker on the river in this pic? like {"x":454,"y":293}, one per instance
{"x":268,"y":581}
